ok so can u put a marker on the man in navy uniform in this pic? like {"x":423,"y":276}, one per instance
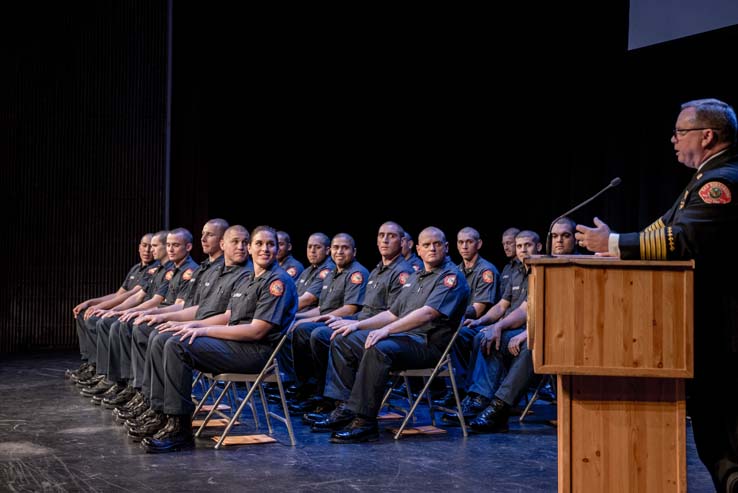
{"x":701,"y":224}
{"x":290,"y":264}
{"x":412,"y":333}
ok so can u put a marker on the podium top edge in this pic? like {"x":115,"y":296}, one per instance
{"x":605,"y":261}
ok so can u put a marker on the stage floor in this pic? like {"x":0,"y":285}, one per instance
{"x":53,"y":439}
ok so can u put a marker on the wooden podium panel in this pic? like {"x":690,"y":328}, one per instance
{"x":619,"y":335}
{"x":611,"y":317}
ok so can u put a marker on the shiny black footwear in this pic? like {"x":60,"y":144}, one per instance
{"x":120,"y":399}
{"x":99,"y":388}
{"x":148,"y":428}
{"x":493,"y":419}
{"x":448,"y":400}
{"x":337,"y":419}
{"x":110,"y":393}
{"x":360,"y":429}
{"x":472,"y":405}
{"x":320,"y":412}
{"x":176,"y":435}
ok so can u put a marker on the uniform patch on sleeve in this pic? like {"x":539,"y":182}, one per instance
{"x":715,"y":192}
{"x":151,"y":271}
{"x":169,"y":275}
{"x":323,"y":273}
{"x":404,"y":276}
{"x":291,"y":271}
{"x":187,"y":275}
{"x":488,"y":276}
{"x":276,"y":288}
{"x":357,"y":278}
{"x":416,"y":267}
{"x":449,"y":281}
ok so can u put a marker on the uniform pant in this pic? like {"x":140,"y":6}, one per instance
{"x":462,"y":353}
{"x":90,"y":329}
{"x":489,"y":374}
{"x":155,"y":368}
{"x":359,"y":376}
{"x":139,"y":347}
{"x":119,"y":352}
{"x":82,"y":336}
{"x":173,"y":368}
{"x":103,"y":343}
{"x":302,"y":356}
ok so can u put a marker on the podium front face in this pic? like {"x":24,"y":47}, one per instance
{"x":619,"y":334}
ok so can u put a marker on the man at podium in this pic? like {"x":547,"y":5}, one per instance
{"x":701,"y":225}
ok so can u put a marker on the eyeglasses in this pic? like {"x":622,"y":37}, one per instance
{"x":681,"y":132}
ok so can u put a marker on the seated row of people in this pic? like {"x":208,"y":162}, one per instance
{"x":348,"y":327}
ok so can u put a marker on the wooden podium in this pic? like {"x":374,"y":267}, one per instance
{"x":619,"y":335}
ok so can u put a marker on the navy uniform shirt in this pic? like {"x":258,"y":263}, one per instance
{"x":416,"y":262}
{"x":208,"y":281}
{"x":179,"y":278}
{"x":506,"y":273}
{"x":219,"y":293}
{"x":192,"y":296}
{"x":292,"y":266}
{"x":158,"y":282}
{"x":347,"y":287}
{"x":147,"y":278}
{"x":311,"y":279}
{"x":135,"y":276}
{"x":482,"y":279}
{"x":271,"y":297}
{"x":385,"y":284}
{"x":444,"y":289}
{"x":516,"y":291}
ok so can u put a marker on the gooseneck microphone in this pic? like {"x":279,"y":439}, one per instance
{"x":614,"y":183}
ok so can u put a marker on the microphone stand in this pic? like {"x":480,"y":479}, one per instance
{"x":614,"y":183}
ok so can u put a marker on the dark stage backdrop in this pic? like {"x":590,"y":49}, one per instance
{"x":83,"y":118}
{"x":364,"y":104}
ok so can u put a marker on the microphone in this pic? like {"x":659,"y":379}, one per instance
{"x":614,"y":183}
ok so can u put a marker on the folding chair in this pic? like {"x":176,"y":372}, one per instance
{"x":253,"y":381}
{"x":544,"y":379}
{"x":444,"y":368}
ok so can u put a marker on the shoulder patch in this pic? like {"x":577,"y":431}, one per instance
{"x":488,"y":276}
{"x":357,"y":278}
{"x":715,"y":192}
{"x":291,"y":271}
{"x":276,"y":288}
{"x":404,"y":276}
{"x":323,"y":273}
{"x":187,"y":275}
{"x":169,"y":275}
{"x":151,"y":271}
{"x":449,"y":281}
{"x":416,"y":267}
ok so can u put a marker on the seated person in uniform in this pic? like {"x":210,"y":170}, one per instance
{"x":262,"y":307}
{"x":412,"y":333}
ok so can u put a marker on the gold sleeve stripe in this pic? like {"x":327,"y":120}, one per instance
{"x":657,"y":224}
{"x":653,"y":245}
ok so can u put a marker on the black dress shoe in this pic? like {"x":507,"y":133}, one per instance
{"x":110,"y":393}
{"x":120,"y":399}
{"x":360,"y":429}
{"x":148,"y":428}
{"x":337,"y":419}
{"x":123,"y":415}
{"x":448,"y":400}
{"x":147,"y":414}
{"x":493,"y":419}
{"x":472,"y":405}
{"x":316,"y":404}
{"x":176,"y":435}
{"x":100,"y":388}
{"x":320,"y":412}
{"x":90,"y":382}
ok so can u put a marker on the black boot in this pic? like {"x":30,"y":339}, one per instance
{"x":361,"y":429}
{"x":336,"y":420}
{"x":108,"y":394}
{"x":493,"y":419}
{"x":176,"y":435}
{"x":149,"y":427}
{"x":472,"y":405}
{"x":120,"y":399}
